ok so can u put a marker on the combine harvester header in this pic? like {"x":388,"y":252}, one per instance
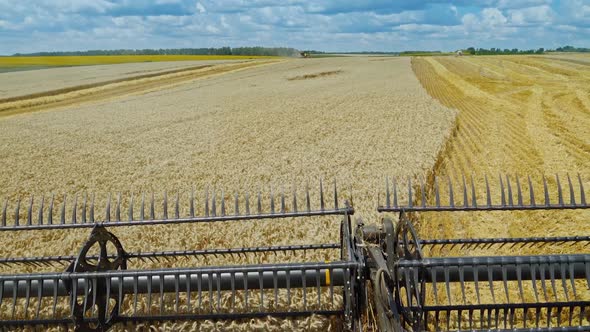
{"x":413,"y":284}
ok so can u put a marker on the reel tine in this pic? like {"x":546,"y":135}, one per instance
{"x":335,"y":195}
{"x":503,"y":194}
{"x":518,"y":192}
{"x":547,"y":201}
{"x":86,"y":290}
{"x":272,"y":202}
{"x":207,"y":201}
{"x":563,"y":275}
{"x":152,"y":207}
{"x":534,"y":282}
{"x":447,"y":285}
{"x":275,"y":287}
{"x":304,"y":288}
{"x":436,"y":192}
{"x":75,"y":209}
{"x":423,"y":191}
{"x":434,"y":288}
{"x":247,"y":203}
{"x":236,"y":205}
{"x":74,"y":297}
{"x":222,"y":203}
{"x":118,"y":210}
{"x":288,"y":273}
{"x":14,"y":289}
{"x":307,"y":200}
{"x":509,"y":187}
{"x":165,"y":205}
{"x":91,"y":208}
{"x":210,"y":288}
{"x":531,"y":192}
{"x":40,"y":214}
{"x":108,"y":287}
{"x":259,"y":203}
{"x":476,"y":282}
{"x":282,"y":199}
{"x":62,"y":219}
{"x":543,"y":283}
{"x":177,"y":206}
{"x":552,"y":277}
{"x":387,"y":194}
{"x":461,"y":283}
{"x":395,"y":193}
{"x":488,"y":193}
{"x":39,"y":296}
{"x":192,"y":203}
{"x":571,"y":187}
{"x":582,"y":192}
{"x":261,"y":285}
{"x":559,"y":190}
{"x":321,"y":195}
{"x":451,"y":198}
{"x":572,"y":280}
{"x":161,"y":283}
{"x":17,"y":213}
{"x":30,"y":212}
{"x":465,"y":200}
{"x":142,"y":207}
{"x":27,"y":297}
{"x":135,"y":294}
{"x":131,"y":207}
{"x":410,"y":200}
{"x":294,"y":197}
{"x":108,"y":208}
{"x":491,"y":284}
{"x":188,"y":293}
{"x":55,"y":283}
{"x":4,"y":212}
{"x":519,"y":280}
{"x":199,"y":291}
{"x":149,"y":293}
{"x":473,"y":196}
{"x":176,"y":292}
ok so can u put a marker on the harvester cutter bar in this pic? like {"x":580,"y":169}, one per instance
{"x":207,"y":287}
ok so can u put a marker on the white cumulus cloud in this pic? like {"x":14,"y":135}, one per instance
{"x":200,"y":8}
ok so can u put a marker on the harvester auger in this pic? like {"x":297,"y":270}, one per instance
{"x":383,"y":272}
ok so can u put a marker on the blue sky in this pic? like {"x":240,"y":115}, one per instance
{"x":355,"y":25}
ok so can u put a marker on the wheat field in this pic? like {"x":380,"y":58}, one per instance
{"x":51,"y":61}
{"x":354,"y":119}
{"x":264,"y":126}
{"x":518,"y":116}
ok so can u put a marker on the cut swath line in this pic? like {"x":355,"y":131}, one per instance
{"x":315,"y":75}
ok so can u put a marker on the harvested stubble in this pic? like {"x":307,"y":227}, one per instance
{"x":19,"y":83}
{"x":98,"y":91}
{"x":521,"y":115}
{"x":235,"y":132}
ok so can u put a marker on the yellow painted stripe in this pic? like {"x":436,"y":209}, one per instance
{"x":327,"y":276}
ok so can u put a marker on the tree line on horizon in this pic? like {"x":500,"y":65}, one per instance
{"x":254,"y":51}
{"x":283,"y":51}
{"x":492,"y":51}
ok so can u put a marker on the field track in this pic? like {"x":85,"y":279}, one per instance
{"x":517,"y":116}
{"x":104,"y":90}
